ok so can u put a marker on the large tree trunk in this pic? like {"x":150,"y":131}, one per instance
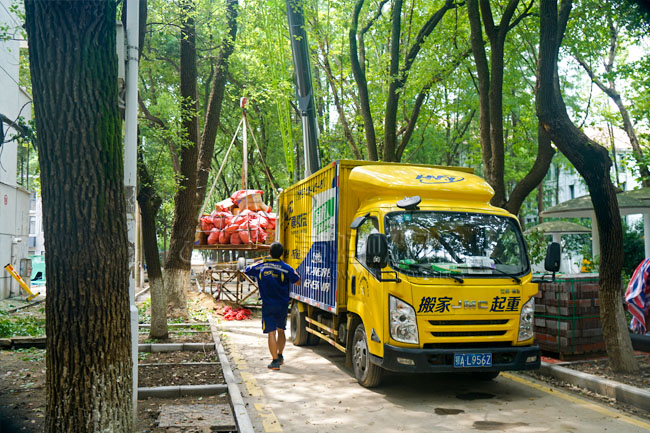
{"x":177,"y":267}
{"x":74,"y":77}
{"x":196,"y":156}
{"x":215,"y":102}
{"x":490,"y":79}
{"x":150,"y":202}
{"x":593,"y":163}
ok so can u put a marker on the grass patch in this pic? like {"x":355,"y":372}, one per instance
{"x":21,"y":326}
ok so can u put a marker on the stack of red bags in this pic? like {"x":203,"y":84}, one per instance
{"x":236,"y":314}
{"x":240,"y":219}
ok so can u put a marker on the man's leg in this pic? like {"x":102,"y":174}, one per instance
{"x":273,"y":346}
{"x":281,"y":340}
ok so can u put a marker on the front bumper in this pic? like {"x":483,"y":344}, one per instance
{"x":442,"y":360}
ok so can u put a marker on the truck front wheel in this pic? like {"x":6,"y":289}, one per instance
{"x":368,"y":374}
{"x":299,"y":335}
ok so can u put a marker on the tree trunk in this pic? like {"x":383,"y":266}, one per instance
{"x":362,"y":86}
{"x":593,"y":163}
{"x":177,"y":267}
{"x":535,"y":176}
{"x":150,"y":203}
{"x":73,"y":67}
{"x":213,"y":113}
{"x":490,"y":76}
{"x":483,"y":72}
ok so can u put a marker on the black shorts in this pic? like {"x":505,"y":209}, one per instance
{"x":274,"y":317}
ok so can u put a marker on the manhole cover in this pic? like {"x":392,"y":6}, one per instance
{"x":217,"y":416}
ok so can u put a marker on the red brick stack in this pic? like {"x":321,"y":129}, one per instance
{"x":567,"y":317}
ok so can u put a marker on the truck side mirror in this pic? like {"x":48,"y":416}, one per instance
{"x":377,"y":251}
{"x":553,"y":257}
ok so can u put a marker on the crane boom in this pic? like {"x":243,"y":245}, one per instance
{"x":304,"y":92}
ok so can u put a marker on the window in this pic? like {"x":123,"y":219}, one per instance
{"x":369,"y":226}
{"x":572,"y":192}
{"x":32,"y":225}
{"x":425,"y":243}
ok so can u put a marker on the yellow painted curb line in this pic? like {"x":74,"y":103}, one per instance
{"x":269,"y":420}
{"x":582,"y":402}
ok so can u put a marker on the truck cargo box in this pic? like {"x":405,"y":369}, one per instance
{"x":315,"y":216}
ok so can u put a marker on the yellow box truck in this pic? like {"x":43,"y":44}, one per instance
{"x":408,"y":268}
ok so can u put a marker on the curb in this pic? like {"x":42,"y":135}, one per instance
{"x":242,"y":419}
{"x":622,"y":393}
{"x":180,"y":391}
{"x":175,"y":347}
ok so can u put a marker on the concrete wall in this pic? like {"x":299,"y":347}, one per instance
{"x":10,"y":94}
{"x":14,"y":234}
{"x":14,"y":200}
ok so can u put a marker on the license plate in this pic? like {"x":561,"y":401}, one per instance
{"x":463,"y":360}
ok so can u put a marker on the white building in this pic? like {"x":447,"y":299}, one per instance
{"x":14,"y":199}
{"x":564,"y":183}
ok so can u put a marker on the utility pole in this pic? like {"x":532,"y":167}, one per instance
{"x":130,"y":172}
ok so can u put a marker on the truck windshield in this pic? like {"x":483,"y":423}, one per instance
{"x":430,"y":244}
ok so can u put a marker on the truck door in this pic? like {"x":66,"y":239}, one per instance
{"x":365,"y":295}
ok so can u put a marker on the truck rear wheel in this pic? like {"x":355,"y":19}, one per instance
{"x":367,"y":374}
{"x":299,"y":334}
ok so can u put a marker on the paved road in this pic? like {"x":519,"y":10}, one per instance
{"x":314,"y":392}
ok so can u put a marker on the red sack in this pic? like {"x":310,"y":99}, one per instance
{"x":238,"y":195}
{"x":249,"y":237}
{"x":235,"y":239}
{"x":263,"y":236}
{"x":206,"y":223}
{"x":225,"y":205}
{"x":213,"y":238}
{"x":264,"y":220}
{"x":272,"y":220}
{"x":224,"y":237}
{"x":221,"y":219}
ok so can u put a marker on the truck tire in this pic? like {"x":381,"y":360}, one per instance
{"x":367,"y":374}
{"x":299,"y":335}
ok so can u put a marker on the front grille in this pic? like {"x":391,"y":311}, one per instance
{"x":470,"y":345}
{"x":467,"y":322}
{"x":468,"y":334}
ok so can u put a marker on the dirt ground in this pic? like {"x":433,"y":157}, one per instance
{"x":601,"y":368}
{"x":171,"y":369}
{"x":22,"y":374}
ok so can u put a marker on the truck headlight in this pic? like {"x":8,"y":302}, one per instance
{"x":526,"y":320}
{"x":403,"y":321}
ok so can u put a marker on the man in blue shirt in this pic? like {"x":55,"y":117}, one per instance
{"x":273,"y":280}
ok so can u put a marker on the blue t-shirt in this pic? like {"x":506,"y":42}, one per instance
{"x":273,"y":279}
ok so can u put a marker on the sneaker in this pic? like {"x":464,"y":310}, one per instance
{"x":275,"y":364}
{"x":280,"y":358}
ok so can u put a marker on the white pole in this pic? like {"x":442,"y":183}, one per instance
{"x":130,"y":172}
{"x":244,"y":178}
{"x":595,"y":237}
